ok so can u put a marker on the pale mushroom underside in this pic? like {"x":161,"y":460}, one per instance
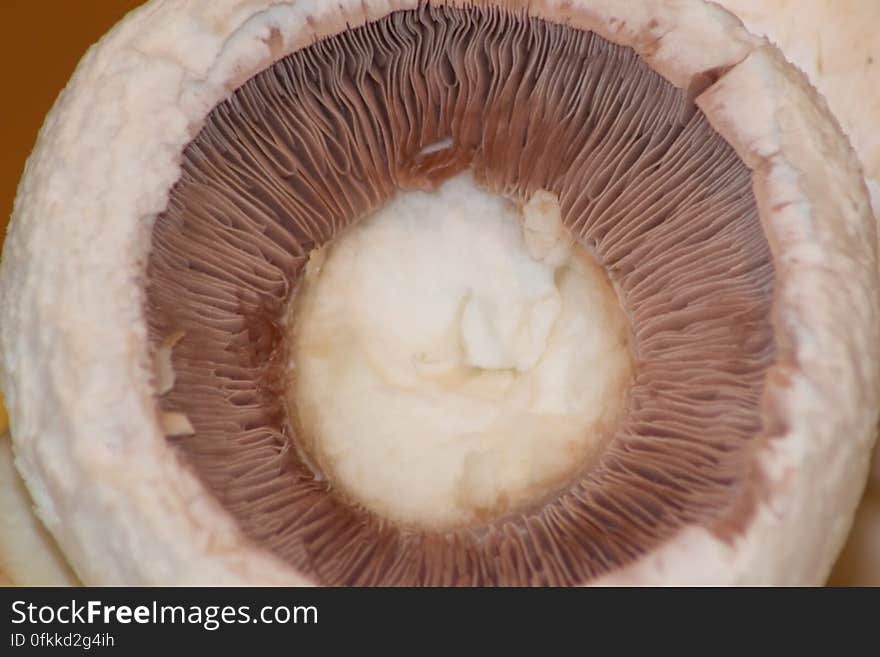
{"x":652,"y":157}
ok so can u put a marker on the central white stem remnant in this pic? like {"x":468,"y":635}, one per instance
{"x":456,"y":357}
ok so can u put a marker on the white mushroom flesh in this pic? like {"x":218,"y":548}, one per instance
{"x":454,"y":359}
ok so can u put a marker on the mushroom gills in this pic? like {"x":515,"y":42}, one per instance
{"x":327,"y":136}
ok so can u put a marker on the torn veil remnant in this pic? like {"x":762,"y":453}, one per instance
{"x":712,"y":227}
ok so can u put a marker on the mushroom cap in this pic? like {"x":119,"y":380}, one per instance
{"x":76,"y":367}
{"x":821,"y":43}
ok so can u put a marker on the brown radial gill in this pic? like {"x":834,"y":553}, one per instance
{"x":328,"y":134}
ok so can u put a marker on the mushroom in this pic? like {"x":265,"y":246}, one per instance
{"x":195,"y":191}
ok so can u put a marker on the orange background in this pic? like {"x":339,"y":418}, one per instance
{"x":41,"y":42}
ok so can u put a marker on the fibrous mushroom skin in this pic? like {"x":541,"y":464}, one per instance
{"x":176,"y":531}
